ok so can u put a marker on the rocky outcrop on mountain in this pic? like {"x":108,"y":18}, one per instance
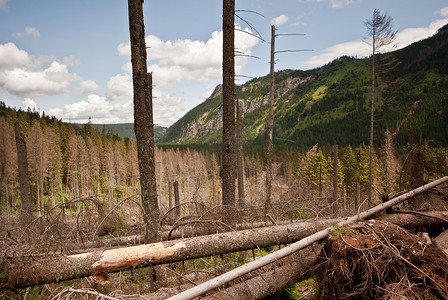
{"x":198,"y":128}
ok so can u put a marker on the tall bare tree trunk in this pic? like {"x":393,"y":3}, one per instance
{"x":24,"y":176}
{"x":380,"y":32}
{"x":176,"y":198}
{"x":144,"y":126}
{"x":335,"y":179}
{"x":372,"y":109}
{"x":267,"y":205}
{"x":240,"y":160}
{"x":228,"y":107}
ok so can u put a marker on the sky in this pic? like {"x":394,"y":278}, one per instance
{"x":71,"y":59}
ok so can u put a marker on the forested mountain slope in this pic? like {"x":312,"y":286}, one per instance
{"x":332,"y":102}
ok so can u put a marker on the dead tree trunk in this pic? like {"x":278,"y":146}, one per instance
{"x":405,"y":220}
{"x":335,"y":179}
{"x":24,"y":176}
{"x":228,"y":107}
{"x":299,"y":245}
{"x":170,"y":195}
{"x":144,"y":126}
{"x":240,"y":160}
{"x":267,"y":204}
{"x":23,"y":272}
{"x":176,"y":198}
{"x":269,"y":282}
{"x":143,"y":119}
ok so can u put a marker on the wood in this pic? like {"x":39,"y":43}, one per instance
{"x":144,"y":126}
{"x":270,"y":282}
{"x":30,"y":271}
{"x":239,"y":157}
{"x":402,"y":220}
{"x":23,"y":272}
{"x":244,"y":269}
{"x":143,"y":120}
{"x":267,"y":204}
{"x":24,"y":176}
{"x":176,"y":199}
{"x":228,"y":108}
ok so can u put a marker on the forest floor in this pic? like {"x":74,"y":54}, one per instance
{"x":369,"y":260}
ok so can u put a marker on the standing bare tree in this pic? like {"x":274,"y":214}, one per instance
{"x":228,"y":107}
{"x":379,"y":35}
{"x":239,"y":157}
{"x":24,"y":176}
{"x":267,"y":203}
{"x":144,"y":126}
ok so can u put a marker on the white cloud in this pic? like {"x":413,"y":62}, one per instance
{"x":166,"y":110}
{"x":97,"y":107}
{"x":11,"y":56}
{"x":443,"y":12}
{"x":23,"y":75}
{"x":88,"y":86}
{"x":28,"y":103}
{"x":359,"y":48}
{"x":3,"y":5}
{"x":28,"y":31}
{"x":191,"y":60}
{"x":410,"y":35}
{"x":119,"y":87}
{"x":353,"y":48}
{"x":280,"y":20}
{"x":179,"y":61}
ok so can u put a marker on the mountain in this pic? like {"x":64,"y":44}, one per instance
{"x":126,"y":130}
{"x":332,"y":102}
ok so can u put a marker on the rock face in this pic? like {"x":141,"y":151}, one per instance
{"x":199,"y":128}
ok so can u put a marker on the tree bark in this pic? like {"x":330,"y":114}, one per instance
{"x":22,"y":272}
{"x":24,"y":176}
{"x":267,"y":204}
{"x":335,"y":179}
{"x":240,"y":160}
{"x":144,"y":126}
{"x":228,"y":107}
{"x":176,"y":198}
{"x":143,"y":119}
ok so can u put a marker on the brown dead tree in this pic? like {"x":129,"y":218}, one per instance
{"x":228,"y":107}
{"x":143,"y":122}
{"x":24,"y":175}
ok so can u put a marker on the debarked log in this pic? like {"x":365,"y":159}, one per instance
{"x":20,"y":272}
{"x":23,"y":272}
{"x":268,"y":283}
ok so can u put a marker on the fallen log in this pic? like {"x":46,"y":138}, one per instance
{"x":20,"y":272}
{"x":405,"y":220}
{"x":301,"y":244}
{"x":268,"y":283}
{"x":27,"y":271}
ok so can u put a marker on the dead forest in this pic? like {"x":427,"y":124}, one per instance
{"x":78,"y":221}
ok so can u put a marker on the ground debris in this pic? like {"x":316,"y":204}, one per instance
{"x":379,"y":260}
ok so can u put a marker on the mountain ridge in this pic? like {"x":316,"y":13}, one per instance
{"x":332,"y":102}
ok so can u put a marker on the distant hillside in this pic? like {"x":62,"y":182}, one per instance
{"x":332,"y":102}
{"x":126,"y":130}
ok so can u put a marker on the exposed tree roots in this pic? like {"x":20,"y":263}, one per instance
{"x":379,"y":260}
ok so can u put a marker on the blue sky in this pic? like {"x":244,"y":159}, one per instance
{"x":71,"y":58}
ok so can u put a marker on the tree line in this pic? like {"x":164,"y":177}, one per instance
{"x":68,"y":162}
